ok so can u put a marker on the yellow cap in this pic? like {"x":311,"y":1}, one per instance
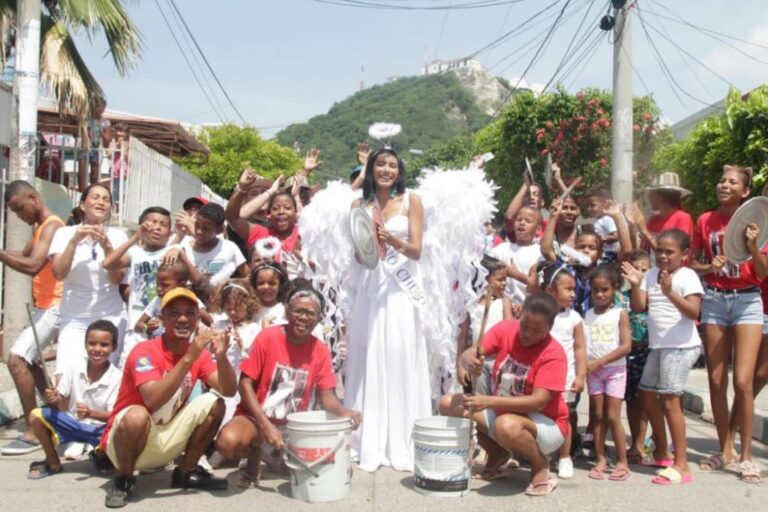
{"x":177,"y":293}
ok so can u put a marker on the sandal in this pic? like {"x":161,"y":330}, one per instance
{"x":671,"y":476}
{"x":541,"y":488}
{"x":597,"y":473}
{"x":41,"y":469}
{"x":247,"y":481}
{"x":634,"y":458}
{"x":749,"y":472}
{"x":716,"y":462}
{"x":651,"y":461}
{"x":490,"y":475}
{"x":620,"y":474}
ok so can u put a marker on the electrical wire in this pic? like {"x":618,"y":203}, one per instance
{"x":585,"y":58}
{"x":208,"y":64}
{"x":378,"y":5}
{"x":442,"y":30}
{"x":189,"y":64}
{"x":551,"y":31}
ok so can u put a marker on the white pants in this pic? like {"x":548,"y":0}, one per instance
{"x":47,"y":325}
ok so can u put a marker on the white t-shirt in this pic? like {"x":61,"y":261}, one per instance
{"x":495,"y":315}
{"x":667,"y":327}
{"x":562,"y":331}
{"x":100,"y":395}
{"x":524,"y":257}
{"x":604,"y":226}
{"x":601,"y":334}
{"x":141,"y":276}
{"x":220,"y":262}
{"x":88,"y":292}
{"x":238,"y":348}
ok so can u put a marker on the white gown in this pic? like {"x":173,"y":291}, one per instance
{"x":387,"y":376}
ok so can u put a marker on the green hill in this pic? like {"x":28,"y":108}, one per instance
{"x":431,"y":109}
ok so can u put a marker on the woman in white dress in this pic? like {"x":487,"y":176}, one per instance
{"x":387,"y":376}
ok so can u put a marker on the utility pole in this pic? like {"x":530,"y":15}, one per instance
{"x":26,"y":80}
{"x":621,"y":153}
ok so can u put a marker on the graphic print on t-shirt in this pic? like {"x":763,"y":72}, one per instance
{"x":602,"y":333}
{"x":144,"y":276}
{"x":286,"y":390}
{"x":716,"y":246}
{"x":510,"y":380}
{"x":169,"y":409}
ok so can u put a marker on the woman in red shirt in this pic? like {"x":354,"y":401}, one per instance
{"x":526,"y":412}
{"x":664,"y":195}
{"x":285,"y":367}
{"x":731,"y":317}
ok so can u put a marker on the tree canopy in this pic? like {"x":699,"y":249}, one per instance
{"x":231,"y":146}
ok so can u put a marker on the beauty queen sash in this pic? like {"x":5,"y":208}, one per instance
{"x":396,"y":266}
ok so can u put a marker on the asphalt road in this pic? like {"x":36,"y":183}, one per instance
{"x":78,"y":489}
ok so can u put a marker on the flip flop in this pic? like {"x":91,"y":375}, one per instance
{"x":596,"y":473}
{"x":490,"y":475}
{"x":42,"y":470}
{"x":671,"y":476}
{"x":21,"y":446}
{"x":247,"y":481}
{"x":620,"y":474}
{"x":650,"y":461}
{"x":541,"y":488}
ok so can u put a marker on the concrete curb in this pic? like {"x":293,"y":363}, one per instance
{"x":696,"y":401}
{"x":10,"y":406}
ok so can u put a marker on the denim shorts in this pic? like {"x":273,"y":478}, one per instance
{"x":728,"y":308}
{"x":666,"y":369}
{"x":548,"y":434}
{"x":765,"y":324}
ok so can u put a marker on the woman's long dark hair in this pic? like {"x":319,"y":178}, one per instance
{"x":369,"y":185}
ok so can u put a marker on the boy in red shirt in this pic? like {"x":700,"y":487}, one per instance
{"x":285,"y":367}
{"x":526,"y":412}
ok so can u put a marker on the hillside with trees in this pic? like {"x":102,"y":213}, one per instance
{"x":431,"y":109}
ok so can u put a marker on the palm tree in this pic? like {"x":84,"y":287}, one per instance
{"x":62,"y":70}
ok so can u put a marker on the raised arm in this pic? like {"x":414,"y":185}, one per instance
{"x":638,"y":299}
{"x":33,"y":257}
{"x":517,"y":202}
{"x":548,"y":238}
{"x":625,"y":242}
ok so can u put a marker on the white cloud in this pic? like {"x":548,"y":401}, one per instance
{"x":735,"y":66}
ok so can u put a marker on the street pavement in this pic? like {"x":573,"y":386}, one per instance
{"x":386,"y":490}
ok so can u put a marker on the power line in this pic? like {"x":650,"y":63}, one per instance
{"x":442,"y":30}
{"x":568,"y":54}
{"x":585,"y":58}
{"x":189,"y":64}
{"x":663,"y":65}
{"x":208,"y":64}
{"x":377,"y":5}
{"x":498,"y":40}
{"x":536,"y":56}
{"x":195,"y":58}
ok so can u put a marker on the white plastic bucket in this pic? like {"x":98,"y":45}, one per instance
{"x":441,"y":466}
{"x":318,"y":453}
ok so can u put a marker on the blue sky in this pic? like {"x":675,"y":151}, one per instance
{"x":284,"y":61}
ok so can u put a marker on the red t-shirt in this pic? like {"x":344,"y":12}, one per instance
{"x":708,"y":236}
{"x":518,"y":369}
{"x":151,"y":361}
{"x":676,"y":220}
{"x":287,"y":242}
{"x":286,"y":375}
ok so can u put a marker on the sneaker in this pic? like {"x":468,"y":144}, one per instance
{"x":565,"y":468}
{"x":21,"y":446}
{"x":120,"y":491}
{"x":100,"y":461}
{"x":74,"y":451}
{"x":197,"y":478}
{"x":205,"y":465}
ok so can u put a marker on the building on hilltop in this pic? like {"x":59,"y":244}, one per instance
{"x":441,"y":66}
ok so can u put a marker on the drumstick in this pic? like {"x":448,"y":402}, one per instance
{"x":570,"y":188}
{"x":473,"y":379}
{"x":47,"y":377}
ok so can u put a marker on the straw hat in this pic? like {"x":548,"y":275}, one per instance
{"x":668,"y":181}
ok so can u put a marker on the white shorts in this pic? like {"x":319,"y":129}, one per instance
{"x":548,"y":435}
{"x":47,"y":326}
{"x":71,"y":346}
